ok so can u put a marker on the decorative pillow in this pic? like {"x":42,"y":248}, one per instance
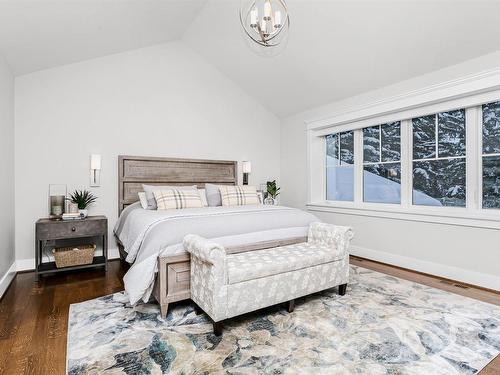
{"x":177,"y":199}
{"x":150,"y":189}
{"x":143,"y":200}
{"x":238,"y":195}
{"x":203,"y":196}
{"x":213,"y":195}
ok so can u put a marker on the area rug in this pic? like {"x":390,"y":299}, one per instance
{"x":383,"y":325}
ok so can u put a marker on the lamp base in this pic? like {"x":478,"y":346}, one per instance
{"x":245,"y":178}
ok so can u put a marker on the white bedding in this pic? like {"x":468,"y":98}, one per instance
{"x":146,"y":234}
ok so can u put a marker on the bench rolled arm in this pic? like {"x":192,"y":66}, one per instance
{"x":336,"y":236}
{"x":203,"y":249}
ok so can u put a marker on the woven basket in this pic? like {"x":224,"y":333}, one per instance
{"x":74,"y":256}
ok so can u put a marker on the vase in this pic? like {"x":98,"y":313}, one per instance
{"x":84,"y":213}
{"x":269,"y":201}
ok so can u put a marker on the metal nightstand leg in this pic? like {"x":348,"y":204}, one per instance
{"x":38,"y":247}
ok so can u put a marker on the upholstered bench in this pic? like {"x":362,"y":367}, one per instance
{"x":226,"y":285}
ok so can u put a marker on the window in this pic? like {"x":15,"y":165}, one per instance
{"x":382,"y":163}
{"x":491,"y":155}
{"x":439,"y":173}
{"x":435,"y":167}
{"x":340,"y":166}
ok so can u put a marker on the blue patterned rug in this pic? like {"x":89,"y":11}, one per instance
{"x":383,"y":325}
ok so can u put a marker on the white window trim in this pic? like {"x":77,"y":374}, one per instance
{"x":468,"y":92}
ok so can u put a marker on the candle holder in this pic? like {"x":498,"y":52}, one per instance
{"x":57,"y":201}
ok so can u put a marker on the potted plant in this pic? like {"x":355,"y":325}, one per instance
{"x":83,"y":198}
{"x":272,"y":192}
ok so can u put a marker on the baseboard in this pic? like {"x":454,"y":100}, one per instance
{"x":7,"y":279}
{"x":449,"y":272}
{"x":25,"y":264}
{"x":113,"y":253}
{"x":29,"y":264}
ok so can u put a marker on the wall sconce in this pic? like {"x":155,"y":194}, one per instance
{"x":246,"y":166}
{"x":95,"y":170}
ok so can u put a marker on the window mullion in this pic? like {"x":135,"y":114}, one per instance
{"x":471,"y":126}
{"x":406,"y":163}
{"x":479,"y":157}
{"x":380,"y":143}
{"x":358,"y":166}
{"x":436,"y":136}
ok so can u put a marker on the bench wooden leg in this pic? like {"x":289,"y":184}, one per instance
{"x":164,"y":310}
{"x":217,"y":328}
{"x":342,"y":289}
{"x":290,"y":305}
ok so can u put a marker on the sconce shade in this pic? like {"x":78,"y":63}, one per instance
{"x":95,"y":162}
{"x":246,"y":167}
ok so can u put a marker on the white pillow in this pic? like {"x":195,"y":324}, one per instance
{"x":203,"y":196}
{"x":143,"y":200}
{"x":213,"y":195}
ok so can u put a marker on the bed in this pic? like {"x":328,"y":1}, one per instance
{"x":151,"y":241}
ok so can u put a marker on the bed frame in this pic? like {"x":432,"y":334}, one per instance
{"x":173,"y":278}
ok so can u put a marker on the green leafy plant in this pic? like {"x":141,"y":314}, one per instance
{"x":83,"y":198}
{"x":272,"y":189}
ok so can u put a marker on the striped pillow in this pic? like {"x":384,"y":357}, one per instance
{"x":238,"y":195}
{"x":168,"y":199}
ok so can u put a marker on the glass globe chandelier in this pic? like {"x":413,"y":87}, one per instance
{"x":265,"y":22}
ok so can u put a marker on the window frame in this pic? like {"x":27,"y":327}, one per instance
{"x":380,"y":161}
{"x":480,"y":158}
{"x":341,"y":164}
{"x":389,"y":111}
{"x":438,"y":157}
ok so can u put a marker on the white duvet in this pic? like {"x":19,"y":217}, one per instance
{"x":147,"y":234}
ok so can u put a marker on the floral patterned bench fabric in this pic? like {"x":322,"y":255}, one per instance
{"x":225,"y":286}
{"x":262,"y":263}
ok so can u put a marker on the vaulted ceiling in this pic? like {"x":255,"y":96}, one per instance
{"x":340,"y":48}
{"x":39,"y":34}
{"x":336,"y":48}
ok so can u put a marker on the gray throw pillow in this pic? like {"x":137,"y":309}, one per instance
{"x":149,"y":189}
{"x":213,"y":195}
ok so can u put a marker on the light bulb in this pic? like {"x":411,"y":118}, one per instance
{"x":254,"y":15}
{"x":267,"y":10}
{"x":277,"y":19}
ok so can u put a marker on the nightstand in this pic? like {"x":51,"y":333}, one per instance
{"x":49,"y":232}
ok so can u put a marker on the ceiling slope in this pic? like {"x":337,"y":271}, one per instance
{"x":340,"y":48}
{"x":40,"y":34}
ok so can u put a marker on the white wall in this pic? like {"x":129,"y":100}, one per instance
{"x":158,"y":101}
{"x":467,"y":254}
{"x":7,"y":172}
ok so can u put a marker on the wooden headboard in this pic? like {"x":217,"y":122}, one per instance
{"x":133,"y":171}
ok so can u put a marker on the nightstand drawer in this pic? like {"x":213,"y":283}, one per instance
{"x":70,"y":229}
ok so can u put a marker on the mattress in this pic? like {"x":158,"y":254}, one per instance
{"x":148,"y":234}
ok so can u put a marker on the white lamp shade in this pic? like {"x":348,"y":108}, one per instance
{"x":95,"y":162}
{"x":246,"y":167}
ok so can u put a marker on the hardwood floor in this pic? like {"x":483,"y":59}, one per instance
{"x":34,"y":316}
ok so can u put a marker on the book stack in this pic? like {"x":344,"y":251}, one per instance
{"x":72,"y":216}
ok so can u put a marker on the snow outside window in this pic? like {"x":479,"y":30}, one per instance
{"x":382,"y":163}
{"x":340,"y":166}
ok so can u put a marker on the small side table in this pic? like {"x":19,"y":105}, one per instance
{"x":50,"y":231}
